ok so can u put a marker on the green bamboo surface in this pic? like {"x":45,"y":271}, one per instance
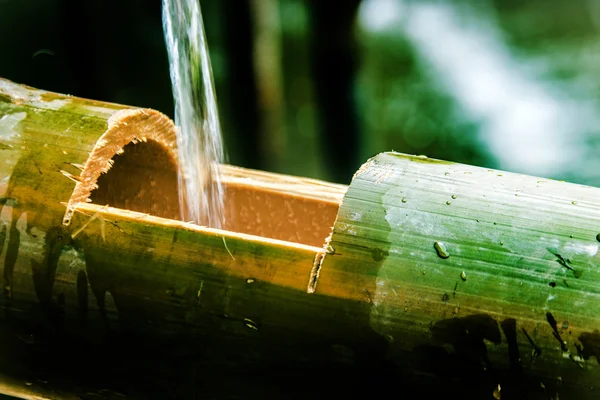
{"x":471,"y":272}
{"x":450,"y":279}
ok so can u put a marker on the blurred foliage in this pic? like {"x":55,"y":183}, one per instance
{"x":416,"y":81}
{"x":406,"y":111}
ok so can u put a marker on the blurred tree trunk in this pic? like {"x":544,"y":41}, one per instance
{"x":268,"y":72}
{"x":238,"y":40}
{"x":333,"y":67}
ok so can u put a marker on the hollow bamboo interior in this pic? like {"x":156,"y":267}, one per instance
{"x":133,"y":166}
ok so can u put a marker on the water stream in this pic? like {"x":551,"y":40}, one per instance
{"x":199,"y":141}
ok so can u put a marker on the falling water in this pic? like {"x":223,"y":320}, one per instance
{"x":199,"y":141}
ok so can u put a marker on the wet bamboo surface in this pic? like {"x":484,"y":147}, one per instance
{"x":439,"y":280}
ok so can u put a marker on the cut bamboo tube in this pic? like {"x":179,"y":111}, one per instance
{"x":481,"y":281}
{"x":58,"y":150}
{"x":473,"y":274}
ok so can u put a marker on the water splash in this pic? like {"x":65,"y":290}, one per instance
{"x":199,"y":142}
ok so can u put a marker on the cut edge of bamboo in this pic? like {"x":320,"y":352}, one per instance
{"x":289,"y":208}
{"x":94,"y":211}
{"x":293,"y":185}
{"x":124,"y":127}
{"x":139,"y":127}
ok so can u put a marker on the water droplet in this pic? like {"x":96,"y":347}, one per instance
{"x":501,"y":243}
{"x":441,"y":250}
{"x":598,"y":237}
{"x":250,"y":324}
{"x":573,"y":202}
{"x":448,"y":202}
{"x":463,"y":276}
{"x":446,"y":173}
{"x":454,"y":196}
{"x":516,"y":194}
{"x":250,"y":280}
{"x":571,"y":236}
{"x":403,"y":200}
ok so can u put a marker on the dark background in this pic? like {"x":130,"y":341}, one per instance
{"x":315,"y":87}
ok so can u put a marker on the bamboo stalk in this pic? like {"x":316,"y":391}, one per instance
{"x":473,"y":274}
{"x":269,"y":79}
{"x":469,"y":281}
{"x":58,"y":150}
{"x":59,"y":252}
